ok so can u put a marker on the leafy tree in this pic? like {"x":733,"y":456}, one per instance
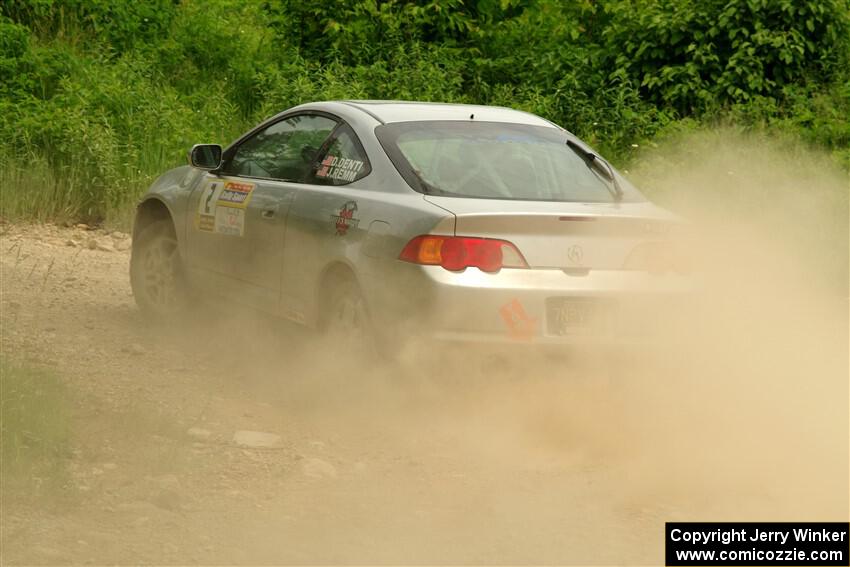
{"x":97,"y":97}
{"x":693,"y":55}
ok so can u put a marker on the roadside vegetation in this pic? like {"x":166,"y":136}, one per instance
{"x":34,"y":433}
{"x":99,"y":97}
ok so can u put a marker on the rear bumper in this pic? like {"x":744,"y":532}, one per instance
{"x":522,"y":307}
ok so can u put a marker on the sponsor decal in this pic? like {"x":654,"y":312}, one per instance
{"x":521,"y":326}
{"x":230,"y":221}
{"x":221,"y":208}
{"x":344,"y":219}
{"x":235,"y":195}
{"x":339,"y":169}
{"x":206,"y":223}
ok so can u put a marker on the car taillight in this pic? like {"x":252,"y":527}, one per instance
{"x":457,"y":253}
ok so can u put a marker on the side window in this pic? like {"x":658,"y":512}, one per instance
{"x":342,"y":161}
{"x":284,"y":150}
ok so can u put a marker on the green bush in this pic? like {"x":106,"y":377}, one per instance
{"x":97,"y":97}
{"x":120,"y":25}
{"x":694,"y":55}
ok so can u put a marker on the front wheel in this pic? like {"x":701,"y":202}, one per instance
{"x":156,"y":273}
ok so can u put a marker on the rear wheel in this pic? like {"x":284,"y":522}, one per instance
{"x":346,"y":323}
{"x":156,"y":274}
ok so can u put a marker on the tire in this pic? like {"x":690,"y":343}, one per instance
{"x":346,"y":323}
{"x":156,"y":272}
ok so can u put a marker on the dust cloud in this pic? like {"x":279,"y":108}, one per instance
{"x":757,"y":404}
{"x":737,"y":411}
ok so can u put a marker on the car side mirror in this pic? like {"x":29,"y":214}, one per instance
{"x":205,"y":156}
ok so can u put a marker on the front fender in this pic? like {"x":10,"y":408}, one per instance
{"x":170,"y":193}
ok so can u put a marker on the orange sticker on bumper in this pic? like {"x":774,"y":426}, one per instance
{"x":521,"y":325}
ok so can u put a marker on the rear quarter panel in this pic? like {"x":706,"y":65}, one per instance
{"x":357,"y":228}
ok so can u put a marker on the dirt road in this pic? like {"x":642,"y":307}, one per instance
{"x":370,"y":464}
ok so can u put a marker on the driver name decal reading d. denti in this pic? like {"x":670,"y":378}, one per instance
{"x":339,"y":169}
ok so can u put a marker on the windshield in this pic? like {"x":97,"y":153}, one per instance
{"x":494,"y":160}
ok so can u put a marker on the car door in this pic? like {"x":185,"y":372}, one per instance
{"x":327,"y":218}
{"x":240,"y":214}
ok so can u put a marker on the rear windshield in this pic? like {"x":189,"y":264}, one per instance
{"x":493,"y":160}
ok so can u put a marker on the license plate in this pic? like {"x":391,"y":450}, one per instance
{"x":568,"y":316}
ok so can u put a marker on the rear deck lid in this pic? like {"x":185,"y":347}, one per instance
{"x":563,"y":235}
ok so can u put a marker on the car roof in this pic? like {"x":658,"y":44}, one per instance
{"x":389,"y":111}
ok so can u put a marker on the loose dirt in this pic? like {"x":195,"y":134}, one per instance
{"x":481,"y":463}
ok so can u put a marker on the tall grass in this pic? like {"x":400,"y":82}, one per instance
{"x":34,"y":432}
{"x":98,"y":98}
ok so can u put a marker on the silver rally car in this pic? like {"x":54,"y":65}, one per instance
{"x":410,"y":221}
